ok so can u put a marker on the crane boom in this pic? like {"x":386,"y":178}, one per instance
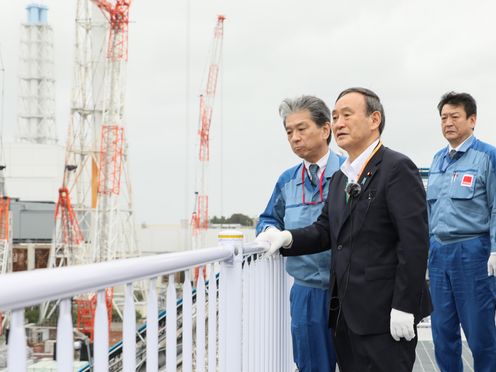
{"x":199,"y":219}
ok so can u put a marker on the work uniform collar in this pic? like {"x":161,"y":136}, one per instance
{"x":463,"y":147}
{"x":446,"y":160}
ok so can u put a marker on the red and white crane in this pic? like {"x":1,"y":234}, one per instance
{"x":199,"y":218}
{"x":94,"y":215}
{"x":114,"y":215}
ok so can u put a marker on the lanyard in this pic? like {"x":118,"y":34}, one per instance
{"x":368,"y":159}
{"x":303,"y":171}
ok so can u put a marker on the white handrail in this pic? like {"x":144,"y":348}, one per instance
{"x":42,"y":285}
{"x":239,"y":331}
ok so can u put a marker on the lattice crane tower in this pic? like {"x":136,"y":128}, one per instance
{"x":36,"y":118}
{"x":199,"y":218}
{"x":75,"y":212}
{"x":115,"y":220}
{"x":94,"y":213}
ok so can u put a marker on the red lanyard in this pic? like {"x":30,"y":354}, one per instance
{"x":303,"y":171}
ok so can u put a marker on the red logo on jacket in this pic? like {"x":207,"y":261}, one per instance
{"x":467,"y":180}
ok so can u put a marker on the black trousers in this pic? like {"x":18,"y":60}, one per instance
{"x":372,"y":353}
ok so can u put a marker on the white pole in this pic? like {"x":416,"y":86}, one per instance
{"x":129,"y":331}
{"x":251,"y":317}
{"x":101,"y":328}
{"x":152,"y":328}
{"x":200,"y":322}
{"x":171,"y":324}
{"x":212,"y":321}
{"x":65,"y":339}
{"x":187,"y":324}
{"x":246,"y":326}
{"x":17,"y":342}
{"x":233,"y":286}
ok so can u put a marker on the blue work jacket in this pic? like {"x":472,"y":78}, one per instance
{"x":286,"y":210}
{"x":461,"y":193}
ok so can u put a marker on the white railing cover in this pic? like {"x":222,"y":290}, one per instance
{"x":247,"y":331}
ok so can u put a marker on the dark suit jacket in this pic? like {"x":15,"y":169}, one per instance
{"x":379,"y":243}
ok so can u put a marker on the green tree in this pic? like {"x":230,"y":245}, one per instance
{"x":236,"y":218}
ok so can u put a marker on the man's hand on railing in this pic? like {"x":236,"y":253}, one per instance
{"x":277,"y":239}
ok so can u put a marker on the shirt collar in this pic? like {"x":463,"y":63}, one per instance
{"x":462,"y":147}
{"x":351,"y":169}
{"x":322,"y":162}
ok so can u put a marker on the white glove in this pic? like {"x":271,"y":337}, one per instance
{"x":402,"y":325}
{"x":277,"y":239}
{"x":491,"y":264}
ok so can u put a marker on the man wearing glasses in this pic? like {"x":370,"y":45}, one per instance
{"x":297,"y":201}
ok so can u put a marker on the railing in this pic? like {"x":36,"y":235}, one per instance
{"x":247,"y":328}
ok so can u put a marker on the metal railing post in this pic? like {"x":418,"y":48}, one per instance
{"x":230,"y":311}
{"x":65,"y":338}
{"x":17,"y":342}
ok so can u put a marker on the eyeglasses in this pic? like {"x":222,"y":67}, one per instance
{"x":303,"y":171}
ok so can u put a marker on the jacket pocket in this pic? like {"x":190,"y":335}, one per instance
{"x":380,"y":272}
{"x":463,"y":185}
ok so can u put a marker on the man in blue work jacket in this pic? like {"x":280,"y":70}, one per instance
{"x":297,"y":201}
{"x":461,"y":194}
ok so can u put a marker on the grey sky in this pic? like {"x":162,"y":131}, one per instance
{"x":409,"y":52}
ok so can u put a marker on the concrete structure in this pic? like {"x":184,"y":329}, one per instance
{"x":33,"y":171}
{"x":36,"y":116}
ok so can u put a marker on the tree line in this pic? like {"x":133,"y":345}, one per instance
{"x":236,"y":218}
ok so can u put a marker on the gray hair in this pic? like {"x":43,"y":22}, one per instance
{"x":319,"y":111}
{"x":372,"y":103}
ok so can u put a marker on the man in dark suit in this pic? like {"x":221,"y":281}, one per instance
{"x":375,"y":221}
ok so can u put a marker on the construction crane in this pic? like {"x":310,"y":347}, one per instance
{"x":112,"y":140}
{"x":199,"y":218}
{"x":95,"y":220}
{"x":72,"y":236}
{"x":75,"y":209}
{"x":110,"y":227}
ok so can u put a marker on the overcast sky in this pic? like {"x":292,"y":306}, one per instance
{"x":408,"y":52}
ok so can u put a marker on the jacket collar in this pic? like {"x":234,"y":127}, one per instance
{"x":371,"y":168}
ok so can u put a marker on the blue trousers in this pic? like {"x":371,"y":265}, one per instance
{"x":462,"y":293}
{"x":313,"y":348}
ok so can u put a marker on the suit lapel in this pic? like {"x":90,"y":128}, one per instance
{"x":365,"y":179}
{"x":337,"y":201}
{"x":370,"y":170}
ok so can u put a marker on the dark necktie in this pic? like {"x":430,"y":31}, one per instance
{"x":452,"y":153}
{"x":313,"y":169}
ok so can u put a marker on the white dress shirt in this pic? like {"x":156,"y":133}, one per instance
{"x":322,"y":163}
{"x":352,"y":169}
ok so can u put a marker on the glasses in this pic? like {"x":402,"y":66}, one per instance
{"x":303,"y":171}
